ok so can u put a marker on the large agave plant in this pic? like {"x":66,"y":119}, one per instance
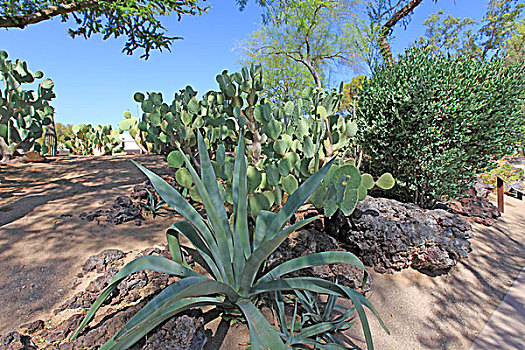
{"x":234,"y":256}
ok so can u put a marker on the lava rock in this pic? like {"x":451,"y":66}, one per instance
{"x":310,"y":241}
{"x":123,"y":210}
{"x":184,"y":331}
{"x":477,"y":209}
{"x":100,"y":261}
{"x":390,"y":236}
{"x":16,"y":341}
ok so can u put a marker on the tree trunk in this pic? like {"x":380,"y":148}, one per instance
{"x":384,"y":47}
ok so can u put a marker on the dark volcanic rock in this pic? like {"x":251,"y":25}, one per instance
{"x":184,"y":331}
{"x":122,"y":210}
{"x":100,"y":261}
{"x":309,"y":241}
{"x":390,"y":235}
{"x":16,"y":341}
{"x":477,"y":209}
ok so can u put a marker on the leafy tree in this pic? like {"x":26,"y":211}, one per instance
{"x":351,"y":92}
{"x":449,"y":34}
{"x":460,"y":36}
{"x":383,"y":16}
{"x":64,"y":132}
{"x":307,"y":38}
{"x":515,"y":46}
{"x":137,"y":19}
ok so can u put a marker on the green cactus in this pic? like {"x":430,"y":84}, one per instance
{"x":89,"y":140}
{"x":23,"y":113}
{"x":286,"y":144}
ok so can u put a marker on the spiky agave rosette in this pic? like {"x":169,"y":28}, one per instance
{"x":234,"y":257}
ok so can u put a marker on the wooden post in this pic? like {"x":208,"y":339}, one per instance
{"x":499,"y":191}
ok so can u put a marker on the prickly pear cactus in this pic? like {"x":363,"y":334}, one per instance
{"x":23,"y":113}
{"x":89,"y":140}
{"x":286,"y":143}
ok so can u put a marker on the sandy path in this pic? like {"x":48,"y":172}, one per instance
{"x":41,"y":251}
{"x":448,"y":312}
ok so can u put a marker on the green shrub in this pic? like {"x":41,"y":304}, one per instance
{"x":234,"y":255}
{"x":436,"y":121}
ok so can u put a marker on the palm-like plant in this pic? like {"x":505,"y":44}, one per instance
{"x":234,"y":256}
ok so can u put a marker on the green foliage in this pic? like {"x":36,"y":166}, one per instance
{"x":301,"y":42}
{"x":515,"y":46}
{"x":464,"y":36}
{"x":89,"y":140}
{"x":234,"y":255}
{"x":288,"y":142}
{"x":63,"y":132}
{"x":138,"y":20}
{"x":153,"y":204}
{"x":436,"y":121}
{"x":24,"y":114}
{"x":313,"y":323}
{"x":503,"y":170}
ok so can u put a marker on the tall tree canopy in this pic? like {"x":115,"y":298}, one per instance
{"x":300,"y":41}
{"x":136,"y":19}
{"x":448,"y":34}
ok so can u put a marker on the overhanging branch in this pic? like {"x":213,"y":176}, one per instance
{"x":45,"y":14}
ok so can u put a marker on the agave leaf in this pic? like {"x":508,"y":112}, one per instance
{"x":262,"y":335}
{"x":222,"y":239}
{"x":184,"y":228}
{"x":128,"y":339}
{"x":318,"y":285}
{"x":218,"y":216}
{"x":296,"y":200}
{"x":316,"y":259}
{"x":261,"y":227}
{"x":266,"y":248}
{"x":177,"y":202}
{"x":185,"y":288}
{"x":298,"y":339}
{"x":279,"y":301}
{"x":149,"y":262}
{"x":240,"y":210}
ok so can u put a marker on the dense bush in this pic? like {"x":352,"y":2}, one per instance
{"x":436,"y":121}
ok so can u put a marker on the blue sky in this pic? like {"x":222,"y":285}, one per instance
{"x":95,"y":81}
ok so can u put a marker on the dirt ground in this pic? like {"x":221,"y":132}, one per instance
{"x":44,"y":242}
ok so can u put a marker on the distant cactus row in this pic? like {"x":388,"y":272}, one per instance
{"x":286,"y":143}
{"x":89,"y":140}
{"x":24,"y":114}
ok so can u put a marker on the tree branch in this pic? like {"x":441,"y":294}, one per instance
{"x":387,"y":27}
{"x":45,"y":14}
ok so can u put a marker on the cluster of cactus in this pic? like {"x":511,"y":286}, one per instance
{"x":24,"y":114}
{"x":89,"y":140}
{"x":286,"y":143}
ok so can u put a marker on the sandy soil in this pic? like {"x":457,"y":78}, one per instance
{"x":42,"y":250}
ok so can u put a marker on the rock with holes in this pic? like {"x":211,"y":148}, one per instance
{"x":390,"y":236}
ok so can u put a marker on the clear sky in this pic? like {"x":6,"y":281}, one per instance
{"x":95,"y":81}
